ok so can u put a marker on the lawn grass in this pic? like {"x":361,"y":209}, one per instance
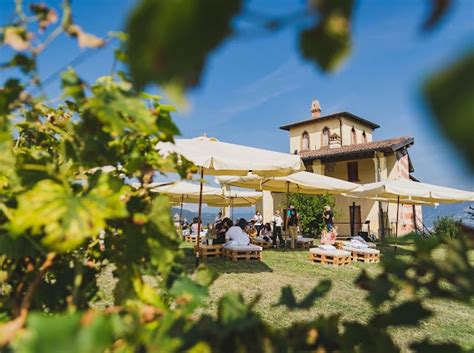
{"x":452,"y":321}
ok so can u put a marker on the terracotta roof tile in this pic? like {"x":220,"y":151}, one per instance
{"x":389,"y":145}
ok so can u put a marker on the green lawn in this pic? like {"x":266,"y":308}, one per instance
{"x":453,"y":321}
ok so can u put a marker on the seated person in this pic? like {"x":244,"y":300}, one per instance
{"x":236,"y":235}
{"x":266,"y":232}
{"x":221,"y":229}
{"x":194,"y":226}
{"x":251,"y":229}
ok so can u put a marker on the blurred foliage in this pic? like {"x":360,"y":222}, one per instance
{"x":446,"y":226}
{"x":63,"y":217}
{"x":310,"y":210}
{"x":450,"y":96}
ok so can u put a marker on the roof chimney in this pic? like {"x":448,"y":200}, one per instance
{"x":315,"y":109}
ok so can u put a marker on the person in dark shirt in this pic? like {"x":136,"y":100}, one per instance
{"x":292,"y":225}
{"x":221,"y":228}
{"x":328,"y":218}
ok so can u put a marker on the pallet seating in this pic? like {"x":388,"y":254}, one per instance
{"x":190,"y":239}
{"x":206,"y":251}
{"x":265,"y":244}
{"x":301,"y":242}
{"x":341,"y":243}
{"x":243,"y":252}
{"x":333,"y":257}
{"x":367,"y":255}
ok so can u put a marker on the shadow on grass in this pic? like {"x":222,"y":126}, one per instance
{"x":394,"y":250}
{"x":222,"y":265}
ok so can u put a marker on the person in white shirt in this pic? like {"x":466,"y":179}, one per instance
{"x":277,"y":221}
{"x":236,"y":235}
{"x":258,"y":218}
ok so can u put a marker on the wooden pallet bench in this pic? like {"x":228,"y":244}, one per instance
{"x":260,"y":242}
{"x":330,"y":257}
{"x":246,"y":253}
{"x":206,"y":251}
{"x":190,"y":239}
{"x":301,"y":243}
{"x":367,"y":255}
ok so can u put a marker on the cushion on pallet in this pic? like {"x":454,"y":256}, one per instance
{"x":327,"y":247}
{"x":334,"y":252}
{"x":362,"y":251}
{"x":261,"y":239}
{"x":304,"y":240}
{"x":250,"y":247}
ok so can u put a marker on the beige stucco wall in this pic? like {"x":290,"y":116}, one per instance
{"x":315,"y":129}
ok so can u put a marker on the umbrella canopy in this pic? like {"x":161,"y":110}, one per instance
{"x":182,"y":191}
{"x":236,"y":198}
{"x":221,"y":158}
{"x":186,"y":192}
{"x":412,"y":192}
{"x":301,"y":182}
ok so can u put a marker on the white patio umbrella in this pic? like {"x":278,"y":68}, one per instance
{"x":237,"y":198}
{"x":406,"y":191}
{"x":301,"y":182}
{"x":213,"y":157}
{"x":185,"y":192}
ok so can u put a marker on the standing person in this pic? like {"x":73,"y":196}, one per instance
{"x":258,"y":218}
{"x":328,"y":218}
{"x":292,"y":225}
{"x":277,"y":224}
{"x":218,"y":218}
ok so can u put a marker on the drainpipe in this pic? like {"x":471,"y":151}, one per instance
{"x":378,"y":178}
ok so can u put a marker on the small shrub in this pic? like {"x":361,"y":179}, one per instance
{"x":446,"y":226}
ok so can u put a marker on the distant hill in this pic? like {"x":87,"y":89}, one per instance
{"x":208,"y":217}
{"x":457,"y":210}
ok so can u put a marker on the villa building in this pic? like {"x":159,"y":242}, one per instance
{"x":341,"y":145}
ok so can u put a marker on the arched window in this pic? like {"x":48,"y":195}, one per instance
{"x":364,"y":137}
{"x":305,"y":141}
{"x":353,"y":136}
{"x":325,"y":137}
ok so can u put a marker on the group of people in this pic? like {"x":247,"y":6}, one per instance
{"x":239,"y":233}
{"x":224,"y":230}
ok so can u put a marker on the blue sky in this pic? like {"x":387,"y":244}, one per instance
{"x":255,"y":83}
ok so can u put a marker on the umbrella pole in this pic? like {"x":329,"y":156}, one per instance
{"x":198,"y":240}
{"x":232,"y":208}
{"x":287,"y":208}
{"x":396,"y":230}
{"x":181,"y":216}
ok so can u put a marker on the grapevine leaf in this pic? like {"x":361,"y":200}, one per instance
{"x":73,"y":333}
{"x":406,"y":314}
{"x":67,"y":218}
{"x":450,"y":97}
{"x":170,"y":40}
{"x":288,"y":299}
{"x":328,"y":42}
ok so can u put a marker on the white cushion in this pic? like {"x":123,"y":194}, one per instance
{"x":261,"y":239}
{"x":250,"y":247}
{"x":355,"y":244}
{"x":305,"y":240}
{"x":335,"y":252}
{"x":327,"y":247}
{"x":363,"y":251}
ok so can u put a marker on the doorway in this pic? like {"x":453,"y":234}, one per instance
{"x":355,"y":219}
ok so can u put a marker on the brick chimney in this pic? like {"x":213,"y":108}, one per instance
{"x":315,"y":109}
